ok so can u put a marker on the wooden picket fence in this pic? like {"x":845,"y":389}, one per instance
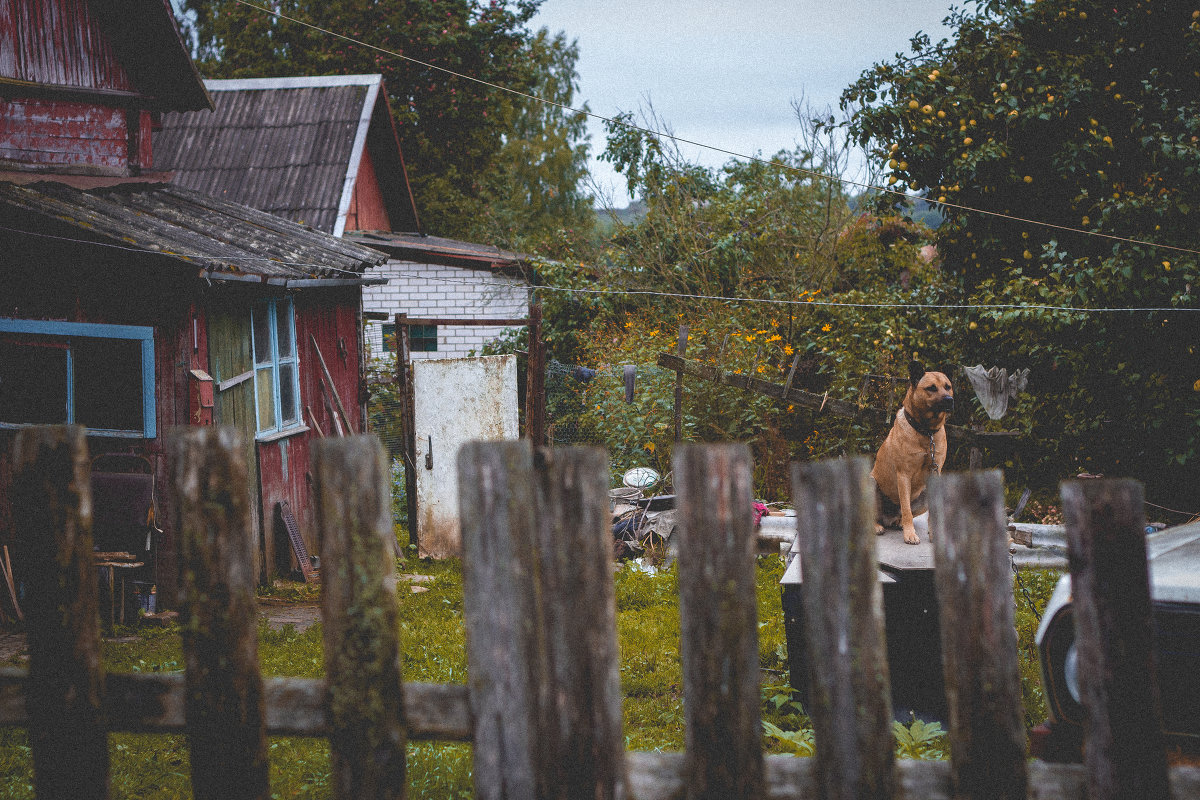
{"x":543,"y":704}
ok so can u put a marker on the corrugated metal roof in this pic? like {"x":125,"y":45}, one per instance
{"x":287,"y":146}
{"x":222,"y":238}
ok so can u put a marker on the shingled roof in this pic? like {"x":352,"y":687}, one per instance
{"x":220,"y":240}
{"x":290,"y":147}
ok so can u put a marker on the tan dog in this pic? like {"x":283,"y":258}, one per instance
{"x":915,"y":447}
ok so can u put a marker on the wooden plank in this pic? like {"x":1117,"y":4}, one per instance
{"x":718,"y":622}
{"x":217,"y":562}
{"x":51,"y":514}
{"x":143,"y":702}
{"x":581,"y":748}
{"x":472,"y":322}
{"x":1114,"y":632}
{"x":361,"y":618}
{"x":496,"y":506}
{"x":850,"y":706}
{"x":979,"y":640}
{"x":408,"y":444}
{"x":681,"y":351}
{"x":660,"y":776}
{"x":820,"y":403}
{"x":535,"y":379}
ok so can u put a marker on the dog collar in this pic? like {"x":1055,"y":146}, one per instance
{"x":926,"y":433}
{"x":915,"y":426}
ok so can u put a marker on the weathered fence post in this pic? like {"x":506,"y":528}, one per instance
{"x":541,"y":622}
{"x":718,"y":623}
{"x":1114,"y":628}
{"x":495,"y":490}
{"x":581,"y":752}
{"x":851,"y":705}
{"x":361,"y":618}
{"x":52,"y":519}
{"x":979,"y":636}
{"x":224,"y":706}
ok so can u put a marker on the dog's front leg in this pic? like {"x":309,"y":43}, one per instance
{"x":904,"y":489}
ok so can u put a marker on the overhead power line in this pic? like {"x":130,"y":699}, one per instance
{"x":757,"y":159}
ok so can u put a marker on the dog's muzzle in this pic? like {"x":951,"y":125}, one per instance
{"x":944,"y":404}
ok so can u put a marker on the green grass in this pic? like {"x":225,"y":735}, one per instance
{"x":156,"y":766}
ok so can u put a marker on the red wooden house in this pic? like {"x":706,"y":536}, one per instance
{"x":130,"y":305}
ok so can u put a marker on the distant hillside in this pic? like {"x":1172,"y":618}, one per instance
{"x":915,"y":208}
{"x":629,"y":215}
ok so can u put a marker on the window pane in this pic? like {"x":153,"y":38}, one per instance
{"x":33,"y":383}
{"x":264,"y":388}
{"x":288,"y":406}
{"x":284,"y":326}
{"x":423,"y":338}
{"x":389,"y":338}
{"x":108,"y":383}
{"x":262,"y":333}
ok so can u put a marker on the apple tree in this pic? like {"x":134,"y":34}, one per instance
{"x":1063,"y":138}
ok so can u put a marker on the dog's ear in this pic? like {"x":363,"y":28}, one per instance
{"x":915,"y":372}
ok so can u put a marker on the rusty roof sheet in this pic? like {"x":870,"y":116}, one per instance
{"x":221,"y":238}
{"x":438,"y":250}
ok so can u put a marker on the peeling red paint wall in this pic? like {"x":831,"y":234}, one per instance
{"x":62,"y":133}
{"x":58,"y":42}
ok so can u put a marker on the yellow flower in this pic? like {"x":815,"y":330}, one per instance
{"x":787,"y":348}
{"x":775,"y":338}
{"x":650,"y":446}
{"x":761,"y":368}
{"x":750,"y":338}
{"x":654,"y":332}
{"x":826,"y":327}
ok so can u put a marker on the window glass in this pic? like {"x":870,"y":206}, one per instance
{"x":264,"y":389}
{"x":423,"y":338}
{"x":287,"y":394}
{"x":261,"y":319}
{"x":284,"y":327}
{"x":108,"y":383}
{"x":33,"y":383}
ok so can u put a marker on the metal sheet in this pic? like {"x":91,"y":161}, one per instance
{"x":455,"y":400}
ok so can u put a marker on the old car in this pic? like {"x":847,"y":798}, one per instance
{"x":1174,"y":559}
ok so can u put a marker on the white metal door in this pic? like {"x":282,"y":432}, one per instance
{"x":455,"y":400}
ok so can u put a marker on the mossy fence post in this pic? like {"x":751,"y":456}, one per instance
{"x":543,"y":705}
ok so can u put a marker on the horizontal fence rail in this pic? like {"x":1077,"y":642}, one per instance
{"x":543,"y":702}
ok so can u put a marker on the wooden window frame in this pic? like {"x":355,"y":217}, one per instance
{"x":277,"y":427}
{"x":55,"y":333}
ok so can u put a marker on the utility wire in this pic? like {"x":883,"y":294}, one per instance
{"x":628,"y":292}
{"x":769,"y":162}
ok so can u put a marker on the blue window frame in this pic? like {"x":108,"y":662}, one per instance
{"x":276,"y":367}
{"x":92,"y":374}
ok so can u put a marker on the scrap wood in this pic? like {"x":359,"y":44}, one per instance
{"x":332,"y":387}
{"x":6,"y":568}
{"x":313,"y":419}
{"x":800,"y":397}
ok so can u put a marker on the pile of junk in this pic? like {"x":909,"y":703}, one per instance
{"x":643,"y":520}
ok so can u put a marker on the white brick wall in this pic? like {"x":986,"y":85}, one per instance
{"x":437,"y":290}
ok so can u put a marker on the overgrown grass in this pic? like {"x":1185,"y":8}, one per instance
{"x":155,"y":766}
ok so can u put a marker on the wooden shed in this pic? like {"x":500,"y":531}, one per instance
{"x":132,"y":305}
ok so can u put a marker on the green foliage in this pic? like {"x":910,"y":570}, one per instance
{"x":920,"y":740}
{"x":472,"y":151}
{"x":1064,"y":112}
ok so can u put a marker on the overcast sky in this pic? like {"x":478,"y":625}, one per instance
{"x":726,"y":73}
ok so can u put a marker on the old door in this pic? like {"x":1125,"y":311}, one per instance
{"x":455,"y":400}
{"x":231,"y":364}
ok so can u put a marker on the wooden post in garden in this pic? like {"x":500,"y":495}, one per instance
{"x":535,"y":379}
{"x":681,"y":351}
{"x":361,"y":618}
{"x":217,"y":558}
{"x":1124,"y":750}
{"x":979,"y":639}
{"x":409,"y":443}
{"x":718,"y":623}
{"x":851,"y":704}
{"x":52,"y":521}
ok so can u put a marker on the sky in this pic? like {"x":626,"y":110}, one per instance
{"x":727,"y":74}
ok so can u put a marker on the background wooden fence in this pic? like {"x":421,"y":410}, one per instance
{"x":543,"y":706}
